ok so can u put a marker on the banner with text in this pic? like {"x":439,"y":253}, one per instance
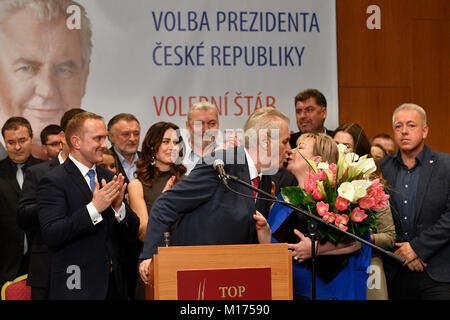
{"x":156,"y":58}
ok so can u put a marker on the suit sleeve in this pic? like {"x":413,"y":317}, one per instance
{"x":428,"y":242}
{"x":130,"y":223}
{"x":27,"y":214}
{"x":58,"y":226}
{"x":183,"y":198}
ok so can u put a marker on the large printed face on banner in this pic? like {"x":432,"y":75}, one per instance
{"x":41,"y":70}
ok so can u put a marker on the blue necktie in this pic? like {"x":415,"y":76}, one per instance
{"x":91,"y":175}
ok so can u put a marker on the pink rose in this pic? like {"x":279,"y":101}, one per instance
{"x":358,"y":215}
{"x":341,"y":221}
{"x":322,"y":208}
{"x":341,"y":203}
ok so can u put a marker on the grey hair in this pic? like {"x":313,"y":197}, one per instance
{"x":203,"y":105}
{"x":266,"y":119}
{"x":410,"y":106}
{"x":48,"y":10}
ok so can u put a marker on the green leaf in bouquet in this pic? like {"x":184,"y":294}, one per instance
{"x":297,"y":195}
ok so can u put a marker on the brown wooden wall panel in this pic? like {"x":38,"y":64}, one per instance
{"x":430,"y":9}
{"x":431,"y":81}
{"x":368,"y":58}
{"x":357,"y":105}
{"x":406,"y":61}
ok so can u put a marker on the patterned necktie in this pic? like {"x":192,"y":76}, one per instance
{"x":91,"y":175}
{"x":256,"y":182}
{"x":19,"y":174}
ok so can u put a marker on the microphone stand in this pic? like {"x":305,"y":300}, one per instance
{"x":313,"y":222}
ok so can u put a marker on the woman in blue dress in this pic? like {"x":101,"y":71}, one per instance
{"x":350,"y":282}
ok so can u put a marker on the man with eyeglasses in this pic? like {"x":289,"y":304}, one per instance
{"x":14,"y":254}
{"x":51,"y":137}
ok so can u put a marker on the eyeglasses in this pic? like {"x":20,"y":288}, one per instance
{"x":54,"y":144}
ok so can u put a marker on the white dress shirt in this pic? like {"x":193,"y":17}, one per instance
{"x":96,"y":217}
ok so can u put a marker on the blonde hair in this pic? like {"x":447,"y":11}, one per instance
{"x":76,"y":124}
{"x":324,"y":146}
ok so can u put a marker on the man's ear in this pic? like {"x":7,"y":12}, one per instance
{"x":44,"y":149}
{"x":74,"y":141}
{"x":85,"y":78}
{"x":110,"y":137}
{"x":425,"y":132}
{"x":264,"y":141}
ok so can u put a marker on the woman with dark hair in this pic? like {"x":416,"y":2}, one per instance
{"x":354,"y":137}
{"x":156,"y":173}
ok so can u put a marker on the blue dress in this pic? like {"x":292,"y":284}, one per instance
{"x":349,"y":284}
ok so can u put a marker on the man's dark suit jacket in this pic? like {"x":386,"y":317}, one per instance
{"x":11,"y":236}
{"x":27,"y":219}
{"x":74,"y":240}
{"x":3,"y":152}
{"x":205,"y":211}
{"x":133,"y":247}
{"x":432,"y":216}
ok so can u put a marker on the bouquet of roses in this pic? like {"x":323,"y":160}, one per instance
{"x":342,"y":194}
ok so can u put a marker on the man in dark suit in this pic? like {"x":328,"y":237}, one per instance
{"x":124,"y":134}
{"x":27,"y":216}
{"x":204,"y":210}
{"x":419,"y":184}
{"x":310,"y":113}
{"x":14,"y":252}
{"x":3,"y":153}
{"x":83,"y":218}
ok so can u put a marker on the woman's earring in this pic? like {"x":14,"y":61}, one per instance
{"x":153,"y":161}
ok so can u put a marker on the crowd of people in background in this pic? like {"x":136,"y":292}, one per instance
{"x":81,"y":208}
{"x":44,"y":207}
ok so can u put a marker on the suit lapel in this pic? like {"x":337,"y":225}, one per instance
{"x":77,"y":178}
{"x":119,"y":165}
{"x":426,"y":172}
{"x":8,"y":172}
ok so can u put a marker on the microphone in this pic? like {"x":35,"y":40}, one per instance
{"x":218,"y":166}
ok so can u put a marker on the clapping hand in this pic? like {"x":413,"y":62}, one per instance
{"x":111,"y":193}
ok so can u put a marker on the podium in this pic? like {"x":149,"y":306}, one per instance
{"x":221,"y":272}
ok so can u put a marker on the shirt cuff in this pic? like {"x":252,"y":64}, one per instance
{"x":120,"y":215}
{"x":96,"y":217}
